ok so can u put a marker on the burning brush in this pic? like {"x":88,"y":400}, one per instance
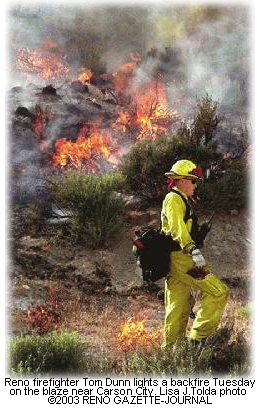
{"x":135,"y":334}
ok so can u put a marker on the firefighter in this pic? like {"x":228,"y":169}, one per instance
{"x":178,"y":285}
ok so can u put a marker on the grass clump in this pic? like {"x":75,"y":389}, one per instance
{"x":246,"y":311}
{"x":53,"y":353}
{"x":94,"y":206}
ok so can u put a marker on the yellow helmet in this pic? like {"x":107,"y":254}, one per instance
{"x":184,"y":168}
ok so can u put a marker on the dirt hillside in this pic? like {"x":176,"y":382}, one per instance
{"x":227,"y":248}
{"x":84,"y":281}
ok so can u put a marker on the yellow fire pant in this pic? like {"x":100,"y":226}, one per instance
{"x":214,"y":294}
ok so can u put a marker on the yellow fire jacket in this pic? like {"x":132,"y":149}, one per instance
{"x":172,"y":219}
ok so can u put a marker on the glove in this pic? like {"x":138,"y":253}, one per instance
{"x":198,"y":258}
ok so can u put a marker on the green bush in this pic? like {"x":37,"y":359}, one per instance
{"x":203,"y":127}
{"x":230,"y":190}
{"x":145,"y":164}
{"x":54,"y":353}
{"x":96,"y":208}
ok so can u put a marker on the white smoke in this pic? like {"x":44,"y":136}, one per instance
{"x":213,"y":58}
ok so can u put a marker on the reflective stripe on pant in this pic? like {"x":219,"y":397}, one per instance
{"x":177,"y":301}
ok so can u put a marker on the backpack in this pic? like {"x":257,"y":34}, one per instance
{"x":152,"y":247}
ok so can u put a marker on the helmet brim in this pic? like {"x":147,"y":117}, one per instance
{"x":172,"y":175}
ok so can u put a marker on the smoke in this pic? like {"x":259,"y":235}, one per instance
{"x":210,"y":47}
{"x":217,"y":59}
{"x":199,"y":50}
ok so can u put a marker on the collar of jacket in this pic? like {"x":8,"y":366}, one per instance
{"x":180,"y":191}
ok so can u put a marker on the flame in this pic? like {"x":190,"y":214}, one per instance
{"x":42,"y":319}
{"x":135,"y":334}
{"x":41,"y":119}
{"x":145,"y":113}
{"x":124,"y":74}
{"x":151,"y":115}
{"x":45,"y":317}
{"x":148,"y":118}
{"x":39,"y":125}
{"x":85,"y":76}
{"x":85,"y":151}
{"x":47,"y":61}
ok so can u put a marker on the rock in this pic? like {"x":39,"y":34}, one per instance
{"x":49,"y":90}
{"x":24,"y":112}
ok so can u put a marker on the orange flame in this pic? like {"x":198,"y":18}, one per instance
{"x":47,"y":61}
{"x":84,"y":152}
{"x":85,"y":76}
{"x":145,"y":116}
{"x":124,"y":73}
{"x":151,"y":115}
{"x":39,"y":124}
{"x":46,"y":317}
{"x":135,"y":334}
